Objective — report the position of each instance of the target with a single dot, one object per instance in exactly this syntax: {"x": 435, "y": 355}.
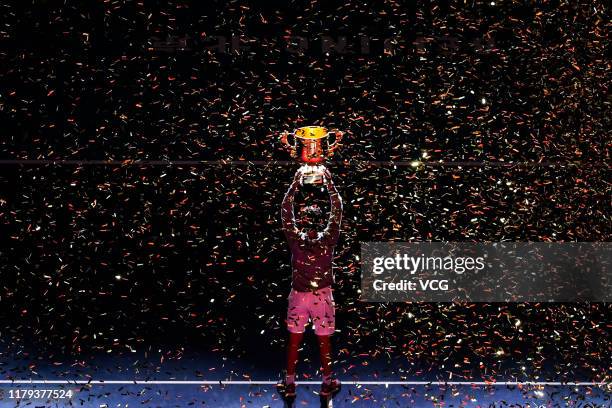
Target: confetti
{"x": 157, "y": 230}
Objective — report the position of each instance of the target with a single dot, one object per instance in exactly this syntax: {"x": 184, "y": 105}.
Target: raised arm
{"x": 287, "y": 216}
{"x": 332, "y": 231}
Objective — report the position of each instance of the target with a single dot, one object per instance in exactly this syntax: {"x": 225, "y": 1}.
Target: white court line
{"x": 348, "y": 382}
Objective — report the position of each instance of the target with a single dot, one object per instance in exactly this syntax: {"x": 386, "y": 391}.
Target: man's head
{"x": 310, "y": 220}
{"x": 311, "y": 217}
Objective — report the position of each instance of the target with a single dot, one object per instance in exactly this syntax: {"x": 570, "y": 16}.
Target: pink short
{"x": 317, "y": 306}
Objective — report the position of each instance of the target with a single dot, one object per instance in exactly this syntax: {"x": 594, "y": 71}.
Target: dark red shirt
{"x": 311, "y": 259}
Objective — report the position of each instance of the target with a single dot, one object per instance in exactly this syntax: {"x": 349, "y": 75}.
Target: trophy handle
{"x": 333, "y": 146}
{"x": 290, "y": 146}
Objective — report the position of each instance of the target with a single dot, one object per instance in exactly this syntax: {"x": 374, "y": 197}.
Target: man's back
{"x": 311, "y": 262}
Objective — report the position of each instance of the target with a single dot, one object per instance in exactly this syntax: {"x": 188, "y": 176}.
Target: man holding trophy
{"x": 312, "y": 239}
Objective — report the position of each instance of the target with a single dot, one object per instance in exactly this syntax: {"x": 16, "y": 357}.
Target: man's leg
{"x": 324, "y": 319}
{"x": 293, "y": 348}
{"x": 330, "y": 386}
{"x": 325, "y": 353}
{"x": 297, "y": 318}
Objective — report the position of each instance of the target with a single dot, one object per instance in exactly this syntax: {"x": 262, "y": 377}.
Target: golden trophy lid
{"x": 311, "y": 132}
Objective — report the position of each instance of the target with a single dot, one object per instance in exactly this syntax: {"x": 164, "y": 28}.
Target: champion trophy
{"x": 311, "y": 146}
